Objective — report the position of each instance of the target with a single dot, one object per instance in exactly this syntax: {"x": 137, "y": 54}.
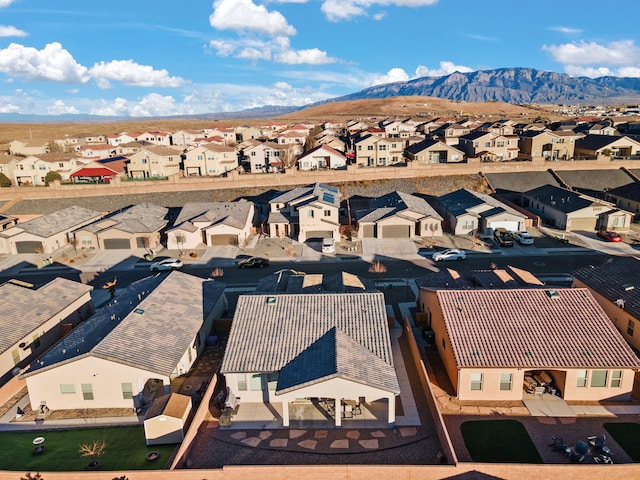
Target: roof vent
{"x": 553, "y": 294}
{"x": 139, "y": 311}
{"x": 628, "y": 286}
{"x": 271, "y": 300}
{"x": 620, "y": 302}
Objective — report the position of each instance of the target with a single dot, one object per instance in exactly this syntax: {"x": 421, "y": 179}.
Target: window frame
{"x": 508, "y": 383}
{"x": 87, "y": 391}
{"x": 475, "y": 381}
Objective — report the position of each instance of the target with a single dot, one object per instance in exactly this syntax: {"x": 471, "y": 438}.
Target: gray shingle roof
{"x": 520, "y": 181}
{"x": 140, "y": 328}
{"x": 233, "y": 214}
{"x": 318, "y": 192}
{"x": 561, "y": 199}
{"x": 23, "y": 310}
{"x": 269, "y": 331}
{"x": 394, "y": 203}
{"x": 532, "y": 328}
{"x": 461, "y": 200}
{"x": 594, "y": 181}
{"x": 59, "y": 221}
{"x": 616, "y": 280}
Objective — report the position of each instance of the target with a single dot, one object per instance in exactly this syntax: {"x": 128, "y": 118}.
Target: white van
{"x": 328, "y": 245}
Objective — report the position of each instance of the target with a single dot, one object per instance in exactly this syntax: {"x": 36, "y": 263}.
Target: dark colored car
{"x": 253, "y": 262}
{"x": 609, "y": 236}
{"x": 503, "y": 237}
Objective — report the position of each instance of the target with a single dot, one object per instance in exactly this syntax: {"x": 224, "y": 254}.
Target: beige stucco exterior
{"x": 168, "y": 427}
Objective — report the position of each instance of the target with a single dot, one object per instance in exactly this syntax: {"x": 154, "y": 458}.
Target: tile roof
{"x": 139, "y": 327}
{"x": 596, "y": 142}
{"x": 233, "y": 214}
{"x": 594, "y": 181}
{"x": 60, "y": 221}
{"x": 520, "y": 181}
{"x": 509, "y": 277}
{"x": 270, "y": 330}
{"x": 317, "y": 192}
{"x": 630, "y": 191}
{"x": 460, "y": 201}
{"x": 292, "y": 281}
{"x": 394, "y": 203}
{"x": 532, "y": 328}
{"x": 561, "y": 199}
{"x": 141, "y": 218}
{"x": 23, "y": 310}
{"x": 616, "y": 280}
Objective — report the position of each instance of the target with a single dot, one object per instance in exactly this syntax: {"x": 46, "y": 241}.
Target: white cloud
{"x": 246, "y": 16}
{"x": 11, "y": 31}
{"x": 5, "y": 3}
{"x": 567, "y": 30}
{"x": 336, "y": 10}
{"x": 152, "y": 105}
{"x": 394, "y": 75}
{"x": 59, "y": 108}
{"x": 595, "y": 72}
{"x": 623, "y": 52}
{"x": 446, "y": 68}
{"x": 132, "y": 73}
{"x": 53, "y": 63}
{"x": 379, "y": 16}
{"x": 6, "y": 107}
{"x": 275, "y": 49}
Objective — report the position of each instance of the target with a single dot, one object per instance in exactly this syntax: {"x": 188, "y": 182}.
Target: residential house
{"x": 7, "y": 164}
{"x": 568, "y": 210}
{"x": 292, "y": 137}
{"x": 121, "y": 138}
{"x": 137, "y": 226}
{"x": 214, "y": 223}
{"x": 373, "y": 151}
{"x": 33, "y": 169}
{"x": 328, "y": 348}
{"x": 212, "y": 160}
{"x": 33, "y": 319}
{"x": 489, "y": 146}
{"x": 626, "y": 197}
{"x": 333, "y": 142}
{"x": 615, "y": 147}
{"x": 431, "y": 151}
{"x": 99, "y": 150}
{"x": 252, "y": 133}
{"x": 167, "y": 419}
{"x": 154, "y": 162}
{"x": 127, "y": 353}
{"x": 322, "y": 157}
{"x": 265, "y": 157}
{"x": 616, "y": 287}
{"x": 449, "y": 132}
{"x": 468, "y": 212}
{"x": 227, "y": 133}
{"x": 7, "y": 221}
{"x": 305, "y": 213}
{"x": 547, "y": 144}
{"x": 489, "y": 340}
{"x": 163, "y": 139}
{"x": 398, "y": 215}
{"x": 185, "y": 138}
{"x": 32, "y": 146}
{"x": 47, "y": 233}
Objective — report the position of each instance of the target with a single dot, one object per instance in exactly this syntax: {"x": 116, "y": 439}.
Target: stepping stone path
{"x": 239, "y": 435}
{"x": 353, "y": 434}
{"x": 344, "y": 443}
{"x": 296, "y": 433}
{"x": 321, "y": 434}
{"x": 369, "y": 444}
{"x": 264, "y": 435}
{"x": 378, "y": 434}
{"x": 308, "y": 444}
{"x": 408, "y": 431}
{"x": 252, "y": 441}
{"x": 279, "y": 443}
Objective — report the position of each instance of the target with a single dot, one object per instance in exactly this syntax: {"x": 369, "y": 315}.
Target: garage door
{"x": 396, "y": 231}
{"x": 588, "y": 224}
{"x": 116, "y": 243}
{"x": 319, "y": 235}
{"x": 227, "y": 239}
{"x": 368, "y": 231}
{"x": 511, "y": 226}
{"x": 29, "y": 247}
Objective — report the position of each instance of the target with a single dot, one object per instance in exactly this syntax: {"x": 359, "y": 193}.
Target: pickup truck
{"x": 503, "y": 237}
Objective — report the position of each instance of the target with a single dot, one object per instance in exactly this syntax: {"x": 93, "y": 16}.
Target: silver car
{"x": 449, "y": 254}
{"x": 523, "y": 238}
{"x": 166, "y": 264}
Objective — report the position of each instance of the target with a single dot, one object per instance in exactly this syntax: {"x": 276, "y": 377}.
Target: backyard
{"x": 125, "y": 450}
{"x": 499, "y": 441}
{"x": 627, "y": 435}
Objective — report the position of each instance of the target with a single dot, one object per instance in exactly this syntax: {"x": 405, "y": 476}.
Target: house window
{"x": 272, "y": 381}
{"x": 327, "y": 213}
{"x": 476, "y": 381}
{"x": 382, "y": 147}
{"x": 310, "y": 213}
{"x": 87, "y": 391}
{"x": 60, "y": 164}
{"x": 630, "y": 326}
{"x": 599, "y": 378}
{"x": 581, "y": 379}
{"x": 15, "y": 353}
{"x": 506, "y": 379}
{"x": 127, "y": 390}
{"x": 241, "y": 378}
{"x": 67, "y": 388}
{"x": 143, "y": 161}
{"x": 616, "y": 378}
{"x": 369, "y": 147}
{"x": 255, "y": 383}
{"x": 618, "y": 222}
{"x": 36, "y": 341}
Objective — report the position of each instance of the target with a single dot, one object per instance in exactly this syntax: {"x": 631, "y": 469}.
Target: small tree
{"x": 31, "y": 476}
{"x": 4, "y": 180}
{"x": 51, "y": 176}
{"x": 94, "y": 450}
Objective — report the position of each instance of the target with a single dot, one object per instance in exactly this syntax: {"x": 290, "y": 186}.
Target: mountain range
{"x": 511, "y": 85}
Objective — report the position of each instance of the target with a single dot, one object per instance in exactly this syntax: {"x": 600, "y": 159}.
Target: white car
{"x": 523, "y": 238}
{"x": 450, "y": 254}
{"x": 328, "y": 245}
{"x": 166, "y": 264}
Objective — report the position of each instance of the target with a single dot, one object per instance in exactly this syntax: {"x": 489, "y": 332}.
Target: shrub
{"x": 51, "y": 176}
{"x": 4, "y": 180}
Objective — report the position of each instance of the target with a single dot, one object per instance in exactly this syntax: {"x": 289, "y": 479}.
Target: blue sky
{"x": 158, "y": 57}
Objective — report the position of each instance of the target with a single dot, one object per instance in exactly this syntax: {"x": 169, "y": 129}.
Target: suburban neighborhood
{"x": 375, "y": 292}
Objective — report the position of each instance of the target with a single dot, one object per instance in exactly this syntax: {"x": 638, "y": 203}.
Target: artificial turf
{"x": 499, "y": 441}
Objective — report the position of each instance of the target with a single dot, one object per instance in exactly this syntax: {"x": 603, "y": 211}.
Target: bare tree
{"x": 94, "y": 450}
{"x": 289, "y": 158}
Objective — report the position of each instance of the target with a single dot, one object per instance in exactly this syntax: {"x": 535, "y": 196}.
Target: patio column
{"x": 285, "y": 414}
{"x": 392, "y": 410}
{"x": 337, "y": 411}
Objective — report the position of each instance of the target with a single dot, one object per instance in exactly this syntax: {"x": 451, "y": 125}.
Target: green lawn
{"x": 499, "y": 441}
{"x": 627, "y": 435}
{"x": 126, "y": 450}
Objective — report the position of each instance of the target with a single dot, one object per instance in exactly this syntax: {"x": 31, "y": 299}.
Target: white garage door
{"x": 511, "y": 226}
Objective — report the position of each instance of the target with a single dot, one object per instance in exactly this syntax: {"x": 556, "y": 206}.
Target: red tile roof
{"x": 532, "y": 328}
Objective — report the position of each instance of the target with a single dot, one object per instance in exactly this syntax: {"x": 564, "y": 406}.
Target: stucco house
{"x": 616, "y": 287}
{"x": 489, "y": 340}
{"x": 333, "y": 349}
{"x": 264, "y": 157}
{"x": 549, "y": 145}
{"x": 468, "y": 212}
{"x": 430, "y": 151}
{"x": 398, "y": 215}
{"x": 489, "y": 146}
{"x": 31, "y": 146}
{"x": 33, "y": 169}
{"x": 373, "y": 151}
{"x": 33, "y": 319}
{"x": 613, "y": 146}
{"x": 626, "y": 197}
{"x": 306, "y": 213}
{"x": 212, "y": 223}
{"x": 47, "y": 233}
{"x": 322, "y": 157}
{"x": 137, "y": 226}
{"x": 568, "y": 210}
{"x": 129, "y": 351}
{"x": 154, "y": 161}
{"x": 210, "y": 159}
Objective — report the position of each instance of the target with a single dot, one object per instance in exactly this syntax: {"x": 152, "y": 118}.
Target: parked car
{"x": 523, "y": 238}
{"x": 254, "y": 262}
{"x": 609, "y": 236}
{"x": 166, "y": 264}
{"x": 503, "y": 237}
{"x": 449, "y": 254}
{"x": 328, "y": 245}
